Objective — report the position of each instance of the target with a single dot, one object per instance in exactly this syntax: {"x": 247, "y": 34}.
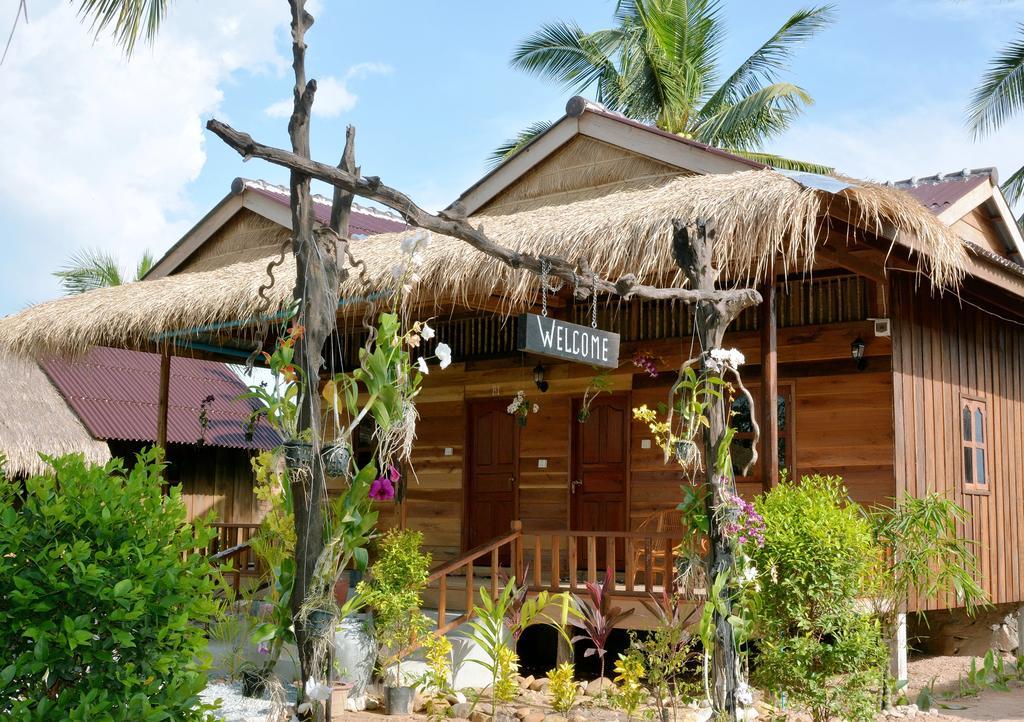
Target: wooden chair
{"x": 659, "y": 522}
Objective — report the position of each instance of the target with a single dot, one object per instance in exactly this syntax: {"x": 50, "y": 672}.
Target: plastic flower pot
{"x": 398, "y": 700}
{"x": 298, "y": 454}
{"x": 341, "y": 588}
{"x": 339, "y": 696}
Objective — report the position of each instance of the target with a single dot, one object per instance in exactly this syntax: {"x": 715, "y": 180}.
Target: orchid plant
{"x": 520, "y": 407}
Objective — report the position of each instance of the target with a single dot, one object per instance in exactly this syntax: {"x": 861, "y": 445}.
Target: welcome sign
{"x": 569, "y": 341}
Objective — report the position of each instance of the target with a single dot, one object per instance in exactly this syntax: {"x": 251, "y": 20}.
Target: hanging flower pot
{"x": 298, "y": 454}
{"x": 686, "y": 452}
{"x": 336, "y": 457}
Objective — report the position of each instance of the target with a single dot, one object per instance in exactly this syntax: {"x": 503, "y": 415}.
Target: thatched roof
{"x": 35, "y": 419}
{"x": 759, "y": 215}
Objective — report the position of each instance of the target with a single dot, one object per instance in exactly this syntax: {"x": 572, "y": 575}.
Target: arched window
{"x": 975, "y": 474}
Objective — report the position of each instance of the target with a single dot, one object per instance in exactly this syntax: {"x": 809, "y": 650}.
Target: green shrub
{"x": 814, "y": 643}
{"x": 100, "y": 596}
{"x": 394, "y": 592}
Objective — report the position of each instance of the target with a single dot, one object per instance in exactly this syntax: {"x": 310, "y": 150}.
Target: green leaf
{"x": 122, "y": 587}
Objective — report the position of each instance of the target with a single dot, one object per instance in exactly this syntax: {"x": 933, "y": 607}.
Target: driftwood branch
{"x": 456, "y": 225}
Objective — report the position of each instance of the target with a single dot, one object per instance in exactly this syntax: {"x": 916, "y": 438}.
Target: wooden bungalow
{"x": 105, "y": 405}
{"x": 888, "y": 349}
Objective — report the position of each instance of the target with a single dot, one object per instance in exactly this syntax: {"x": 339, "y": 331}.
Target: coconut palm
{"x": 89, "y": 269}
{"x": 998, "y": 98}
{"x": 128, "y": 20}
{"x": 660, "y": 64}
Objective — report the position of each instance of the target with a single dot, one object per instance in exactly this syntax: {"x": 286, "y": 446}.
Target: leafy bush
{"x": 101, "y": 595}
{"x": 562, "y": 687}
{"x": 394, "y": 592}
{"x": 816, "y": 561}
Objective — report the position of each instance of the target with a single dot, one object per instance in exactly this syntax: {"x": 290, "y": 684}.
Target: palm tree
{"x": 89, "y": 269}
{"x": 128, "y": 20}
{"x": 660, "y": 64}
{"x": 999, "y": 97}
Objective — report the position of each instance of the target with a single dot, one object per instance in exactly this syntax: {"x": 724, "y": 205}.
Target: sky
{"x": 100, "y": 151}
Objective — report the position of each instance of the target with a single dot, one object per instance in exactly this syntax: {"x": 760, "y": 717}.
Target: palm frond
{"x": 778, "y": 161}
{"x": 1013, "y": 187}
{"x": 512, "y": 146}
{"x": 87, "y": 270}
{"x": 562, "y": 52}
{"x": 128, "y": 20}
{"x": 1001, "y": 93}
{"x": 756, "y": 117}
{"x": 771, "y": 59}
{"x": 144, "y": 266}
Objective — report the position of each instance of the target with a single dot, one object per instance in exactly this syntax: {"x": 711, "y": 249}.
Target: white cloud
{"x": 98, "y": 151}
{"x": 333, "y": 96}
{"x": 927, "y": 140}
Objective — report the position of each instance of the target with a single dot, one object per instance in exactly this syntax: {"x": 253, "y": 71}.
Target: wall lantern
{"x": 857, "y": 352}
{"x": 538, "y": 378}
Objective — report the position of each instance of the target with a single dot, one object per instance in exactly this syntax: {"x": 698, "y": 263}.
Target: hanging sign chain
{"x": 593, "y": 300}
{"x": 545, "y": 287}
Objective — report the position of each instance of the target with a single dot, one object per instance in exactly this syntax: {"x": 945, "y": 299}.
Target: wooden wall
{"x": 941, "y": 350}
{"x": 843, "y": 423}
{"x": 212, "y": 479}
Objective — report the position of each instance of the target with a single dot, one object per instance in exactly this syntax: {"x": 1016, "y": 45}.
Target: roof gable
{"x": 270, "y": 202}
{"x": 584, "y": 118}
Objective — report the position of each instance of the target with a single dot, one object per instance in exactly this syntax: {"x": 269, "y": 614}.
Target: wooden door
{"x": 492, "y": 470}
{"x": 600, "y": 471}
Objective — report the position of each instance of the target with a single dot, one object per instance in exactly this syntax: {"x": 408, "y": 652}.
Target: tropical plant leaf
{"x": 128, "y": 20}
{"x": 1001, "y": 93}
{"x": 512, "y": 146}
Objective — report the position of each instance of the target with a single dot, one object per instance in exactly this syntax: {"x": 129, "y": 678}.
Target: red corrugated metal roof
{"x": 362, "y": 222}
{"x": 116, "y": 395}
{"x": 939, "y": 192}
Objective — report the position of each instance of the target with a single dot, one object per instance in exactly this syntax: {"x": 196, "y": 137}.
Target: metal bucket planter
{"x": 336, "y": 457}
{"x": 398, "y": 700}
{"x": 298, "y": 454}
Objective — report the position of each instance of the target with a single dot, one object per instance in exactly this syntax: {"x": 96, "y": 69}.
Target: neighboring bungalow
{"x": 888, "y": 350}
{"x": 105, "y": 405}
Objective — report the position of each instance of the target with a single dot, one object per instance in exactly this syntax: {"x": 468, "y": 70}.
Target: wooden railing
{"x": 466, "y": 566}
{"x": 644, "y": 565}
{"x": 232, "y": 545}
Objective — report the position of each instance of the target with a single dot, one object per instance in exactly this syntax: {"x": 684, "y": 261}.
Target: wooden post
{"x": 164, "y": 400}
{"x": 769, "y": 451}
{"x": 693, "y": 253}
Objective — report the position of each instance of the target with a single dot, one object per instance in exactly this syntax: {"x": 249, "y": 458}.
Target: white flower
{"x": 744, "y": 695}
{"x": 410, "y": 242}
{"x": 317, "y": 691}
{"x": 417, "y": 259}
{"x": 421, "y": 364}
{"x": 427, "y": 333}
{"x": 721, "y": 358}
{"x": 397, "y": 271}
{"x": 749, "y": 574}
{"x": 443, "y": 352}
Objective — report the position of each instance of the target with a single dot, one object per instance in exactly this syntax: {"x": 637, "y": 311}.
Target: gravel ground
{"x": 236, "y": 708}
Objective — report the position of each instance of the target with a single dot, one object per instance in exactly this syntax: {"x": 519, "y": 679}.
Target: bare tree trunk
{"x": 693, "y": 254}
{"x": 316, "y": 291}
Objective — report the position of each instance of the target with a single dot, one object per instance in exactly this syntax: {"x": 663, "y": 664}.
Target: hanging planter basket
{"x": 336, "y": 457}
{"x": 686, "y": 452}
{"x": 298, "y": 454}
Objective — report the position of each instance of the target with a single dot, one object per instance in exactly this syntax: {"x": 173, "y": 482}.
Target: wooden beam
{"x": 163, "y": 402}
{"x": 769, "y": 451}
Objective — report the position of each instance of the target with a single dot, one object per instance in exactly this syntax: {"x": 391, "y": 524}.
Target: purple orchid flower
{"x": 382, "y": 489}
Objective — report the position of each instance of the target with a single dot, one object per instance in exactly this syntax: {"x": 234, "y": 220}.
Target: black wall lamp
{"x": 538, "y": 378}
{"x": 857, "y": 352}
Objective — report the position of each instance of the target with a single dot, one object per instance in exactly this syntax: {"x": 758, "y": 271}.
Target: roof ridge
{"x": 239, "y": 184}
{"x": 961, "y": 175}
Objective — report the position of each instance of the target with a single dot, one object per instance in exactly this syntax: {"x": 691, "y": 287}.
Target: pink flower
{"x": 382, "y": 489}
{"x": 393, "y": 475}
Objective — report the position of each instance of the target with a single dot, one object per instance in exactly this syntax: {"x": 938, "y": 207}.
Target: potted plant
{"x": 393, "y": 591}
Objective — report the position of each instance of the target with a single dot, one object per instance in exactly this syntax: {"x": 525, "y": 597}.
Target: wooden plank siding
{"x": 943, "y": 351}
{"x": 843, "y": 424}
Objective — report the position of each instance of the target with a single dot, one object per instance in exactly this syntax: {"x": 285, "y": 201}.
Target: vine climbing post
{"x": 692, "y": 250}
